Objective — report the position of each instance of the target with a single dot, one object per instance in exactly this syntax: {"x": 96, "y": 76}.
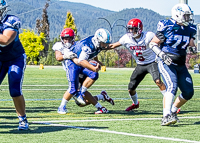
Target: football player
{"x": 12, "y": 61}
{"x": 137, "y": 42}
{"x": 170, "y": 43}
{"x": 77, "y": 67}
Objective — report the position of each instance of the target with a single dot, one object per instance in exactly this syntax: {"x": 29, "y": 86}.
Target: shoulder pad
{"x": 13, "y": 21}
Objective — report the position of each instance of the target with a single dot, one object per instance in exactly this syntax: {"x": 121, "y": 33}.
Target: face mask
{"x": 67, "y": 45}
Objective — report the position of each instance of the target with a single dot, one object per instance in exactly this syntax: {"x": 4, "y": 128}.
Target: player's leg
{"x": 15, "y": 78}
{"x": 72, "y": 73}
{"x": 169, "y": 76}
{"x": 186, "y": 86}
{"x": 89, "y": 99}
{"x": 137, "y": 76}
{"x": 153, "y": 70}
{"x": 91, "y": 77}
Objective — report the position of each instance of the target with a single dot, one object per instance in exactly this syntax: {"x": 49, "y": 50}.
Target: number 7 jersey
{"x": 139, "y": 48}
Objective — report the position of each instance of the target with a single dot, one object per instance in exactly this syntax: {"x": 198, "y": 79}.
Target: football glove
{"x": 167, "y": 60}
{"x": 193, "y": 50}
{"x": 69, "y": 55}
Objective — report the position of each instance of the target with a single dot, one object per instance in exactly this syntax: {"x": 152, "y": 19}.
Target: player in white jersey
{"x": 137, "y": 42}
{"x": 63, "y": 53}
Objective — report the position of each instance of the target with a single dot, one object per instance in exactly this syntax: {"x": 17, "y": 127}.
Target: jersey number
{"x": 179, "y": 39}
{"x": 141, "y": 58}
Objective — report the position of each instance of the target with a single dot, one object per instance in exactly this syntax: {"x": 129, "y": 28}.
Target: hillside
{"x": 86, "y": 16}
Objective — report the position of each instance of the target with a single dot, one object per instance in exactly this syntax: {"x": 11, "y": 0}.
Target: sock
{"x": 174, "y": 108}
{"x": 64, "y": 102}
{"x": 83, "y": 89}
{"x": 168, "y": 103}
{"x": 98, "y": 105}
{"x": 100, "y": 97}
{"x": 163, "y": 92}
{"x": 21, "y": 118}
{"x": 134, "y": 98}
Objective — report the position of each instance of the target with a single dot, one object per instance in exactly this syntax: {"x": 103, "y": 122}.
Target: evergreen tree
{"x": 42, "y": 26}
{"x": 70, "y": 23}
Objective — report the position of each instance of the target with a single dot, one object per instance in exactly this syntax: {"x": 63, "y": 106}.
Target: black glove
{"x": 167, "y": 60}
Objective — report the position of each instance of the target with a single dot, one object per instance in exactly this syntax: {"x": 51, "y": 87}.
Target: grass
{"x": 43, "y": 90}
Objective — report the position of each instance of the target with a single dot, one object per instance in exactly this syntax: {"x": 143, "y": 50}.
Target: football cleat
{"x": 174, "y": 117}
{"x": 169, "y": 119}
{"x": 107, "y": 98}
{"x": 101, "y": 110}
{"x": 62, "y": 110}
{"x": 23, "y": 125}
{"x": 133, "y": 106}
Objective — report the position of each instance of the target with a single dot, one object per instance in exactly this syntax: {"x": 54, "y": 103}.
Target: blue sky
{"x": 162, "y": 7}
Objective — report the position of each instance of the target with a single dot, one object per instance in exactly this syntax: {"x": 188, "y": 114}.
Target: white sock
{"x": 64, "y": 102}
{"x": 134, "y": 98}
{"x": 98, "y": 105}
{"x": 163, "y": 92}
{"x": 168, "y": 103}
{"x": 100, "y": 97}
{"x": 174, "y": 108}
{"x": 83, "y": 89}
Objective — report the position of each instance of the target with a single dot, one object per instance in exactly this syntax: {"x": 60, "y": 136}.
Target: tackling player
{"x": 12, "y": 61}
{"x": 173, "y": 36}
{"x": 137, "y": 42}
{"x": 76, "y": 73}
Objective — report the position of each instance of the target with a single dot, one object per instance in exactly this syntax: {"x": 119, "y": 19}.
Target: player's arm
{"x": 114, "y": 45}
{"x": 154, "y": 45}
{"x": 7, "y": 37}
{"x": 60, "y": 57}
{"x": 83, "y": 60}
{"x": 86, "y": 64}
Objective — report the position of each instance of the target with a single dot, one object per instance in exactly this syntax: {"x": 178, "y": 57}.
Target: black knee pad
{"x": 188, "y": 95}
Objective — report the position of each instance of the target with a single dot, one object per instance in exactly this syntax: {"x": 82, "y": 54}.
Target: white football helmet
{"x": 101, "y": 35}
{"x": 182, "y": 13}
{"x": 3, "y": 9}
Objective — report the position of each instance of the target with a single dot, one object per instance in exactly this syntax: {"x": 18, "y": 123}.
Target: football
{"x": 94, "y": 63}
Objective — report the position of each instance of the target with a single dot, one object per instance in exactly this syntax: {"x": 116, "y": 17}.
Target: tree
{"x": 42, "y": 26}
{"x": 32, "y": 44}
{"x": 70, "y": 23}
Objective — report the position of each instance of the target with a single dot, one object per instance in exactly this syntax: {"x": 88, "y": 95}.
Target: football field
{"x": 43, "y": 91}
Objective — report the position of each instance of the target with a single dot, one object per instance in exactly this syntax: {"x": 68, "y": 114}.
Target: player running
{"x": 173, "y": 36}
{"x": 75, "y": 71}
{"x": 137, "y": 42}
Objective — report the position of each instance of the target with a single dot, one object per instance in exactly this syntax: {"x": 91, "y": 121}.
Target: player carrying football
{"x": 79, "y": 70}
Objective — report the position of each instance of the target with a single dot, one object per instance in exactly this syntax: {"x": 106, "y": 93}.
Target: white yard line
{"x": 121, "y": 133}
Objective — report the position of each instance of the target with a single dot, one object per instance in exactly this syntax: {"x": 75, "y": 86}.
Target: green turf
{"x": 43, "y": 99}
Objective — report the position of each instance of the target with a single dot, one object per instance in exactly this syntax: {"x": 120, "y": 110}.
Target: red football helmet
{"x": 67, "y": 32}
{"x": 134, "y": 26}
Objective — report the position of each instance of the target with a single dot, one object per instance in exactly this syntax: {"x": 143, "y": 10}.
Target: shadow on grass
{"x": 28, "y": 109}
{"x": 36, "y": 128}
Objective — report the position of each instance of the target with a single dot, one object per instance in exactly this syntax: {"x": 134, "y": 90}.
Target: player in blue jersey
{"x": 173, "y": 37}
{"x": 76, "y": 73}
{"x": 12, "y": 61}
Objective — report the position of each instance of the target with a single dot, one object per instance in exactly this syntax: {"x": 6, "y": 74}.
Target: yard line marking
{"x": 122, "y": 133}
{"x": 136, "y": 119}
